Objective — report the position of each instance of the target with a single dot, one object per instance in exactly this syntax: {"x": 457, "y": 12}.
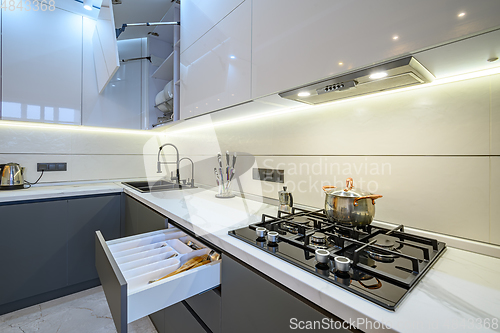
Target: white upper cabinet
{"x": 199, "y": 16}
{"x": 215, "y": 70}
{"x": 295, "y": 43}
{"x": 41, "y": 66}
{"x": 105, "y": 48}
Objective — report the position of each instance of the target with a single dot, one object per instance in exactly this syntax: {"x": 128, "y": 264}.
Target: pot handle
{"x": 328, "y": 187}
{"x": 349, "y": 184}
{"x": 372, "y": 196}
{"x": 373, "y": 286}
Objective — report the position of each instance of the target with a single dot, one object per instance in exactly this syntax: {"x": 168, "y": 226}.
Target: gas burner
{"x": 293, "y": 224}
{"x": 380, "y": 254}
{"x": 290, "y": 227}
{"x": 300, "y": 220}
{"x": 385, "y": 243}
{"x": 318, "y": 238}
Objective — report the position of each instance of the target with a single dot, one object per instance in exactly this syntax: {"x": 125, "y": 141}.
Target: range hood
{"x": 391, "y": 75}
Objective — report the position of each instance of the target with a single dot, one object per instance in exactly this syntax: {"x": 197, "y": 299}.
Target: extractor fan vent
{"x": 395, "y": 74}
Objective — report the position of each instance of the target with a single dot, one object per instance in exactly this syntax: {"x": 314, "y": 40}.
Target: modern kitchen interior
{"x": 249, "y": 166}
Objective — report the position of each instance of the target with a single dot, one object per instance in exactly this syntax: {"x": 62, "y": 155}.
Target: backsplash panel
{"x": 91, "y": 155}
{"x": 422, "y": 149}
{"x": 495, "y": 200}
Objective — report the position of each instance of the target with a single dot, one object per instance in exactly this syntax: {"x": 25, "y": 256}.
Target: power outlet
{"x": 52, "y": 166}
{"x": 269, "y": 175}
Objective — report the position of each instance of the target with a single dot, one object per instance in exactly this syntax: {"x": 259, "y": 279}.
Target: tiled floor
{"x": 83, "y": 312}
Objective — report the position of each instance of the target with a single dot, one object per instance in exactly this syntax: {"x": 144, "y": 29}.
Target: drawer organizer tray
{"x": 126, "y": 265}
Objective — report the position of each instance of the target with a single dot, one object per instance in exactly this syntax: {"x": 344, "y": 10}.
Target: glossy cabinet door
{"x": 105, "y": 48}
{"x": 33, "y": 249}
{"x": 41, "y": 66}
{"x": 215, "y": 70}
{"x": 140, "y": 219}
{"x": 251, "y": 303}
{"x": 295, "y": 44}
{"x": 199, "y": 16}
{"x": 88, "y": 215}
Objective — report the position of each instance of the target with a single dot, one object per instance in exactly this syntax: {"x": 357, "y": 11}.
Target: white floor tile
{"x": 83, "y": 312}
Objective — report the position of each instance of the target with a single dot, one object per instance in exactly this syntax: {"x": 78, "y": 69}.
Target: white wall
{"x": 91, "y": 155}
{"x": 433, "y": 153}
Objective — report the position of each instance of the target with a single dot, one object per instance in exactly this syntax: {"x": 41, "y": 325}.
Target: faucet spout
{"x": 192, "y": 169}
{"x": 176, "y": 162}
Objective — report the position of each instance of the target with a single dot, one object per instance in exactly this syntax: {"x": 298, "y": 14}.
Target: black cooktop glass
{"x": 385, "y": 263}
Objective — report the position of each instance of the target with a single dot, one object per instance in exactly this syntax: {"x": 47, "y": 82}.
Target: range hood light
{"x": 394, "y": 74}
{"x": 378, "y": 75}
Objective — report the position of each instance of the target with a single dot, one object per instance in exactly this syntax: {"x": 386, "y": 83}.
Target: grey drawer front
{"x": 208, "y": 307}
{"x": 113, "y": 283}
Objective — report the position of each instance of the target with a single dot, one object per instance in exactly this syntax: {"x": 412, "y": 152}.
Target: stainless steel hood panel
{"x": 400, "y": 73}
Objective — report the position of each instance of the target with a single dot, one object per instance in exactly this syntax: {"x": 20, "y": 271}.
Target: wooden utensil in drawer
{"x": 190, "y": 263}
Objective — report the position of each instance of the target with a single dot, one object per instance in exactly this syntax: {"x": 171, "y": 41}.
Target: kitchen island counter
{"x": 459, "y": 292}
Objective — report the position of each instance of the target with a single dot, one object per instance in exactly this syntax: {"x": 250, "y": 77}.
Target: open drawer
{"x": 127, "y": 265}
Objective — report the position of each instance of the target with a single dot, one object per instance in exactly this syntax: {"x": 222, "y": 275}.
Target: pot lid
{"x": 349, "y": 191}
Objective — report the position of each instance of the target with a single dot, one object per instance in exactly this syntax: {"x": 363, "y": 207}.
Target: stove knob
{"x": 322, "y": 256}
{"x": 272, "y": 237}
{"x": 342, "y": 264}
{"x": 261, "y": 232}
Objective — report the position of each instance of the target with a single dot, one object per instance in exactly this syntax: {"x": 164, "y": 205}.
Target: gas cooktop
{"x": 381, "y": 265}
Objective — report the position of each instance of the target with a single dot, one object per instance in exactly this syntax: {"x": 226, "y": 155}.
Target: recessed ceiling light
{"x": 395, "y": 37}
{"x": 232, "y": 57}
{"x": 378, "y": 75}
{"x": 87, "y": 4}
{"x": 304, "y": 94}
{"x": 341, "y": 63}
{"x": 461, "y": 14}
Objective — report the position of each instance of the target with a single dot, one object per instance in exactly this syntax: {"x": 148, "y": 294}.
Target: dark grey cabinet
{"x": 179, "y": 319}
{"x": 87, "y": 216}
{"x": 208, "y": 307}
{"x": 47, "y": 247}
{"x": 33, "y": 249}
{"x": 251, "y": 303}
{"x": 140, "y": 218}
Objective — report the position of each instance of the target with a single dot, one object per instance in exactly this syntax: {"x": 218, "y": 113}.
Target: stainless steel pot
{"x": 11, "y": 176}
{"x": 348, "y": 206}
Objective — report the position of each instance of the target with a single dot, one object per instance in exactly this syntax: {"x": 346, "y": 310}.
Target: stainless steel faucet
{"x": 192, "y": 170}
{"x": 177, "y": 178}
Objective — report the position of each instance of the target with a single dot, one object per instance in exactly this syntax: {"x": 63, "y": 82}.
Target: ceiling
{"x": 139, "y": 11}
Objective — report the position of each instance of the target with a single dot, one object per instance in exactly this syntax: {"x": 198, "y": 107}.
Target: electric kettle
{"x": 11, "y": 176}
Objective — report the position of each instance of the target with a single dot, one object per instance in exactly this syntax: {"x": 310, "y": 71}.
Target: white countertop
{"x": 38, "y": 192}
{"x": 460, "y": 289}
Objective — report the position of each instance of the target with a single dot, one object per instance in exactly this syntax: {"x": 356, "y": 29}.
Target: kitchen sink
{"x": 155, "y": 186}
